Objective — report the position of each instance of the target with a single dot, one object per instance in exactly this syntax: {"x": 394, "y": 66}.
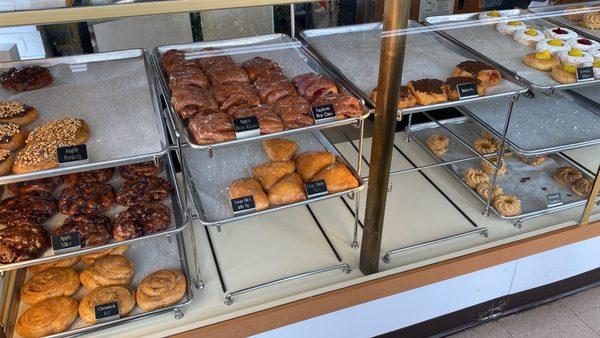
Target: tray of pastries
{"x": 541, "y": 53}
{"x": 229, "y": 92}
{"x": 526, "y": 186}
{"x": 104, "y": 106}
{"x": 82, "y": 294}
{"x": 275, "y": 174}
{"x": 433, "y": 67}
{"x": 581, "y": 17}
{"x": 102, "y": 209}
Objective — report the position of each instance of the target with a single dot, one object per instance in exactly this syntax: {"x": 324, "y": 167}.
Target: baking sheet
{"x": 354, "y": 51}
{"x": 499, "y": 49}
{"x": 591, "y": 93}
{"x": 278, "y": 47}
{"x": 550, "y": 14}
{"x": 147, "y": 257}
{"x": 541, "y": 124}
{"x": 173, "y": 202}
{"x": 209, "y": 178}
{"x": 113, "y": 92}
{"x": 529, "y": 183}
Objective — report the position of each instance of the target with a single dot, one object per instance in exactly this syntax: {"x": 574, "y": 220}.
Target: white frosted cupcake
{"x": 595, "y": 53}
{"x": 554, "y": 46}
{"x": 559, "y": 33}
{"x": 510, "y": 27}
{"x": 528, "y": 37}
{"x": 576, "y": 58}
{"x": 491, "y": 15}
{"x": 583, "y": 44}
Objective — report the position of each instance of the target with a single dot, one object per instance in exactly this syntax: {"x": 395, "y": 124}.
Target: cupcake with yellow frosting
{"x": 510, "y": 27}
{"x": 554, "y": 46}
{"x": 543, "y": 60}
{"x": 528, "y": 37}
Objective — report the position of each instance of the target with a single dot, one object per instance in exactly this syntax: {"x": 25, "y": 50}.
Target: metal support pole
{"x": 393, "y": 41}
{"x": 292, "y": 21}
{"x": 354, "y": 244}
{"x": 585, "y": 219}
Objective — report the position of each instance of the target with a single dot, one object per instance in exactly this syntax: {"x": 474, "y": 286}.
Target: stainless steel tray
{"x": 147, "y": 257}
{"x": 174, "y": 202}
{"x": 114, "y": 93}
{"x": 500, "y": 50}
{"x": 353, "y": 53}
{"x": 589, "y": 93}
{"x": 556, "y": 14}
{"x": 543, "y": 124}
{"x": 288, "y": 53}
{"x": 209, "y": 178}
{"x": 535, "y": 178}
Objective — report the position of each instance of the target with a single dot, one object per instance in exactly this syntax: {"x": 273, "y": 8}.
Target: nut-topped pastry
{"x": 38, "y": 156}
{"x": 488, "y": 75}
{"x": 12, "y": 111}
{"x": 406, "y": 99}
{"x": 26, "y": 78}
{"x": 72, "y": 130}
{"x": 12, "y": 136}
{"x": 7, "y": 158}
{"x": 428, "y": 91}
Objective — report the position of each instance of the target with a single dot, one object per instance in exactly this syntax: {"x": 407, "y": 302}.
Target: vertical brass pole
{"x": 395, "y": 20}
{"x": 591, "y": 201}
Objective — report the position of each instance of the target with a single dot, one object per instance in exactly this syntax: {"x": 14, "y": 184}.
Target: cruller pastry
{"x": 72, "y": 130}
{"x": 406, "y": 99}
{"x": 488, "y": 75}
{"x": 428, "y": 91}
{"x": 249, "y": 187}
{"x": 161, "y": 289}
{"x": 311, "y": 163}
{"x": 489, "y": 169}
{"x": 543, "y": 60}
{"x": 7, "y": 158}
{"x": 474, "y": 177}
{"x": 532, "y": 160}
{"x": 582, "y": 187}
{"x": 484, "y": 190}
{"x": 591, "y": 20}
{"x": 438, "y": 144}
{"x": 452, "y": 83}
{"x": 485, "y": 146}
{"x": 11, "y": 111}
{"x": 507, "y": 205}
{"x": 280, "y": 149}
{"x": 567, "y": 175}
{"x": 122, "y": 294}
{"x": 50, "y": 316}
{"x": 337, "y": 177}
{"x": 110, "y": 270}
{"x": 53, "y": 282}
{"x": 270, "y": 173}
{"x": 290, "y": 189}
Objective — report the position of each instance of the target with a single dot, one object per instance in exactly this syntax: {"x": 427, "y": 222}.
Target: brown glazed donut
{"x": 88, "y": 197}
{"x": 44, "y": 185}
{"x": 22, "y": 241}
{"x": 141, "y": 220}
{"x": 92, "y": 176}
{"x": 94, "y": 229}
{"x": 143, "y": 190}
{"x": 35, "y": 207}
{"x": 146, "y": 169}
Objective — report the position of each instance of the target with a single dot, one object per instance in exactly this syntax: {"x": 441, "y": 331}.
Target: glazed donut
{"x": 528, "y": 37}
{"x": 532, "y": 160}
{"x": 15, "y": 112}
{"x": 71, "y": 130}
{"x": 559, "y": 33}
{"x": 564, "y": 73}
{"x": 510, "y": 27}
{"x": 489, "y": 169}
{"x": 94, "y": 229}
{"x": 146, "y": 169}
{"x": 484, "y": 190}
{"x": 35, "y": 207}
{"x": 160, "y": 289}
{"x": 122, "y": 294}
{"x": 582, "y": 187}
{"x": 141, "y": 219}
{"x": 42, "y": 185}
{"x": 53, "y": 282}
{"x": 26, "y": 78}
{"x": 567, "y": 175}
{"x": 61, "y": 263}
{"x": 143, "y": 190}
{"x": 88, "y": 197}
{"x": 7, "y": 158}
{"x": 12, "y": 136}
{"x": 491, "y": 15}
{"x": 50, "y": 316}
{"x": 438, "y": 144}
{"x": 575, "y": 57}
{"x": 583, "y": 44}
{"x": 591, "y": 20}
{"x": 543, "y": 61}
{"x": 474, "y": 177}
{"x": 507, "y": 205}
{"x": 485, "y": 146}
{"x": 110, "y": 270}
{"x": 552, "y": 45}
{"x": 92, "y": 176}
{"x": 22, "y": 241}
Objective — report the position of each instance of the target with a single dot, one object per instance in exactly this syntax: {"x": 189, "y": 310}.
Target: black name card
{"x": 323, "y": 114}
{"x": 106, "y": 312}
{"x": 243, "y": 204}
{"x": 246, "y": 127}
{"x": 70, "y": 241}
{"x": 553, "y": 200}
{"x": 584, "y": 74}
{"x": 315, "y": 188}
{"x": 467, "y": 90}
{"x": 72, "y": 154}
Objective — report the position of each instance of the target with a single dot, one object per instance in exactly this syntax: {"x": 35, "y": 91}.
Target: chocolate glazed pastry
{"x": 88, "y": 197}
{"x": 93, "y": 176}
{"x": 94, "y": 229}
{"x": 141, "y": 220}
{"x": 42, "y": 185}
{"x": 34, "y": 207}
{"x": 26, "y": 78}
{"x": 143, "y": 190}
{"x": 146, "y": 169}
{"x": 22, "y": 241}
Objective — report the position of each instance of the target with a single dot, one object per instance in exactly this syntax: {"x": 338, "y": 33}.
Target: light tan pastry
{"x": 309, "y": 164}
{"x": 485, "y": 146}
{"x": 92, "y": 257}
{"x": 7, "y": 159}
{"x": 574, "y": 16}
{"x": 406, "y": 99}
{"x": 50, "y": 316}
{"x": 507, "y": 205}
{"x": 160, "y": 289}
{"x": 484, "y": 190}
{"x": 567, "y": 175}
{"x": 337, "y": 177}
{"x": 53, "y": 282}
{"x": 543, "y": 61}
{"x": 61, "y": 263}
{"x": 11, "y": 111}
{"x": 591, "y": 20}
{"x": 249, "y": 187}
{"x": 280, "y": 149}
{"x": 12, "y": 136}
{"x": 120, "y": 293}
{"x": 110, "y": 270}
{"x": 438, "y": 144}
{"x": 452, "y": 83}
{"x": 564, "y": 73}
{"x": 428, "y": 91}
{"x": 270, "y": 173}
{"x": 489, "y": 169}
{"x": 474, "y": 177}
{"x": 532, "y": 160}
{"x": 290, "y": 189}
{"x": 582, "y": 187}
{"x": 72, "y": 130}
{"x": 37, "y": 156}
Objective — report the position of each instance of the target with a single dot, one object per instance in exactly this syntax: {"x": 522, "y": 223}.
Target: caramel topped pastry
{"x": 488, "y": 75}
{"x": 26, "y": 78}
{"x": 38, "y": 156}
{"x": 72, "y": 130}
{"x": 428, "y": 91}
{"x": 12, "y": 111}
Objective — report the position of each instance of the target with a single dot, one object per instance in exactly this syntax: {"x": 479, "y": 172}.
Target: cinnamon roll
{"x": 110, "y": 270}
{"x": 53, "y": 282}
{"x": 160, "y": 289}
{"x": 122, "y": 294}
{"x": 50, "y": 316}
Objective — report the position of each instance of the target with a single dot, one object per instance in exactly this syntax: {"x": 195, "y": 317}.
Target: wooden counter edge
{"x": 357, "y": 294}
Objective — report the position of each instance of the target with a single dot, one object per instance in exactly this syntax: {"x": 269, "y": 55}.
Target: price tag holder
{"x": 107, "y": 312}
{"x": 467, "y": 90}
{"x": 584, "y": 74}
{"x": 71, "y": 155}
{"x": 554, "y": 200}
{"x": 71, "y": 241}
{"x": 315, "y": 188}
{"x": 243, "y": 205}
{"x": 246, "y": 127}
{"x": 323, "y": 114}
